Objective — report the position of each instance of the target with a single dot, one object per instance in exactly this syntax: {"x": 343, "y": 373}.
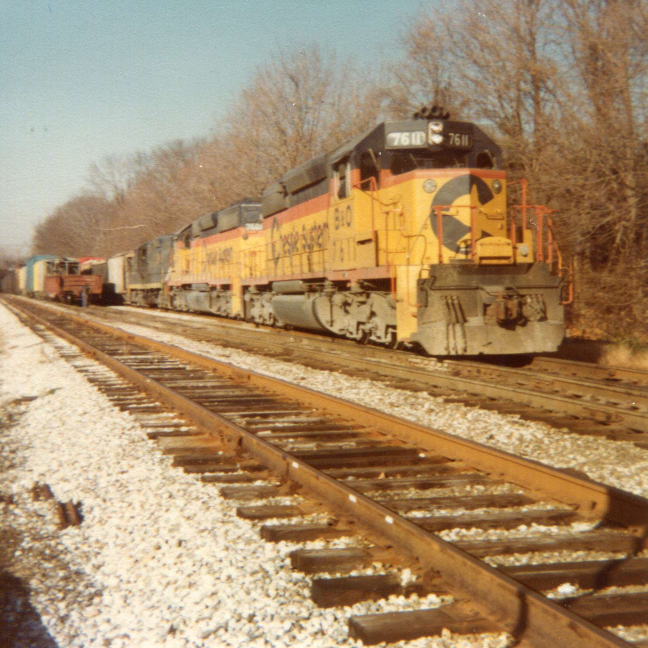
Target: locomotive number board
{"x": 404, "y": 139}
{"x": 416, "y": 139}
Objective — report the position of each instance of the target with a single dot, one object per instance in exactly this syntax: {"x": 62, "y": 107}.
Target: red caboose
{"x": 64, "y": 283}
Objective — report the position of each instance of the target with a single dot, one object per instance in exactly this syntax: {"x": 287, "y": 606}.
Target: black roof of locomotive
{"x": 315, "y": 172}
{"x": 229, "y": 217}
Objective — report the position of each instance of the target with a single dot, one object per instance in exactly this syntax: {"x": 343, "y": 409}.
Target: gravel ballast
{"x": 160, "y": 559}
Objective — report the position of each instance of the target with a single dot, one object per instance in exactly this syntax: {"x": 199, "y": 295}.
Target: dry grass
{"x": 621, "y": 355}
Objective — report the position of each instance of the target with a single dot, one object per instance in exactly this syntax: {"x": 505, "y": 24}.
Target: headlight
{"x": 436, "y": 127}
{"x": 436, "y": 138}
{"x": 497, "y": 186}
{"x": 429, "y": 186}
{"x": 523, "y": 249}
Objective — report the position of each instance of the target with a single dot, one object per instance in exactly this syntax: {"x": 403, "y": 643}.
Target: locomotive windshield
{"x": 436, "y": 144}
{"x": 404, "y": 161}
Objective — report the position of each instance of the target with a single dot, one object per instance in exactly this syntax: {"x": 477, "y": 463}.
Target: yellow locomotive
{"x": 401, "y": 236}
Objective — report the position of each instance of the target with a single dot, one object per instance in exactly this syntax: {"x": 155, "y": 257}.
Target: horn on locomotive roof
{"x": 431, "y": 112}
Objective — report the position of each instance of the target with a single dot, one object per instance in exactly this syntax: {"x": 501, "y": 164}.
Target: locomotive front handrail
{"x": 523, "y": 182}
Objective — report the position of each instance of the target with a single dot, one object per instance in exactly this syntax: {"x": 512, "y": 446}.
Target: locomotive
{"x": 400, "y": 237}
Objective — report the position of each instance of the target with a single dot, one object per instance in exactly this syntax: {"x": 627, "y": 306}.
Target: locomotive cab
{"x": 472, "y": 275}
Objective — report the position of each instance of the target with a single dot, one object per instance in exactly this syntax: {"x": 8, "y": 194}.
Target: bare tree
{"x": 600, "y": 180}
{"x": 159, "y": 199}
{"x": 297, "y": 105}
{"x": 426, "y": 72}
{"x": 606, "y": 105}
{"x": 76, "y": 228}
{"x": 115, "y": 175}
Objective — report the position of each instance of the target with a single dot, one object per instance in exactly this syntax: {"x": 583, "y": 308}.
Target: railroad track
{"x": 586, "y": 398}
{"x": 400, "y": 488}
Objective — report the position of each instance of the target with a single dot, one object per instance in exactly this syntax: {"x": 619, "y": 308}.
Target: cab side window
{"x": 484, "y": 160}
{"x": 342, "y": 179}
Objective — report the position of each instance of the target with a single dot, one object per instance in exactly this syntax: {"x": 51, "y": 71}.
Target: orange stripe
{"x": 390, "y": 180}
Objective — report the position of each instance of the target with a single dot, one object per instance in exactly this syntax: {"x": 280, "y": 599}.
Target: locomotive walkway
{"x": 396, "y": 486}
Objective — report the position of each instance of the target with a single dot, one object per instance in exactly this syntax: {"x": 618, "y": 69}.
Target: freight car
{"x": 116, "y": 278}
{"x": 402, "y": 236}
{"x": 99, "y": 267}
{"x": 9, "y": 281}
{"x": 35, "y": 270}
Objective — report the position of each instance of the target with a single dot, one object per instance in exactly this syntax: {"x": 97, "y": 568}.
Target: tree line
{"x": 562, "y": 85}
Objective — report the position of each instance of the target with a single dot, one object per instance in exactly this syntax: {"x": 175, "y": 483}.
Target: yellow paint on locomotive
{"x": 396, "y": 227}
{"x": 253, "y": 257}
{"x": 212, "y": 260}
{"x": 297, "y": 242}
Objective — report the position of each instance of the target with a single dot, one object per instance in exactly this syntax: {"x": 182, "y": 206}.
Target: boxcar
{"x": 9, "y": 281}
{"x": 35, "y": 271}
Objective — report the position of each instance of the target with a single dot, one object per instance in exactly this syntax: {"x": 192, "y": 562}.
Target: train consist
{"x": 402, "y": 236}
{"x": 57, "y": 278}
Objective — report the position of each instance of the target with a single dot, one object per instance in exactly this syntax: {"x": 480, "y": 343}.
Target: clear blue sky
{"x": 83, "y": 79}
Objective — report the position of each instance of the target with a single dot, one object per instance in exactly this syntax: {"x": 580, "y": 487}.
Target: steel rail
{"x": 541, "y": 399}
{"x": 485, "y": 386}
{"x": 518, "y": 610}
{"x": 575, "y": 386}
{"x": 590, "y": 370}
